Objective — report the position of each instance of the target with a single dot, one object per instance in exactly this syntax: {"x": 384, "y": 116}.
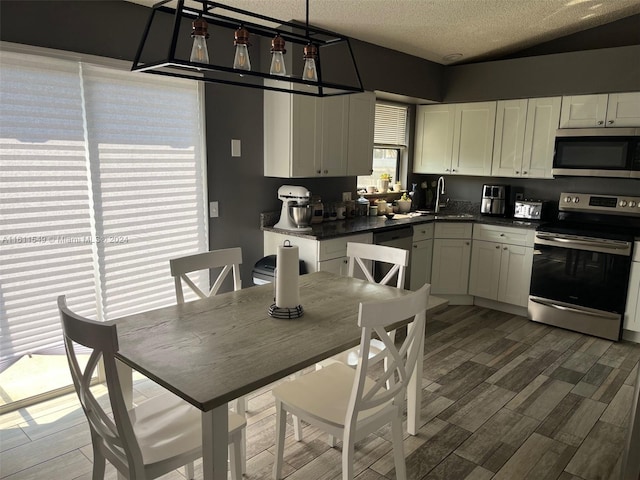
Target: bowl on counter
{"x": 389, "y": 215}
{"x": 301, "y": 214}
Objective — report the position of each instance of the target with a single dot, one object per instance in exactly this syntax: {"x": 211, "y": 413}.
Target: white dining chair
{"x": 363, "y": 256}
{"x": 149, "y": 440}
{"x": 222, "y": 262}
{"x": 227, "y": 260}
{"x": 352, "y": 403}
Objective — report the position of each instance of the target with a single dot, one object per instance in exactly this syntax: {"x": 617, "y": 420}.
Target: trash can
{"x": 264, "y": 270}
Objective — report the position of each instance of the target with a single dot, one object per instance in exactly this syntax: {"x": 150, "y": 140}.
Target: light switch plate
{"x": 235, "y": 147}
{"x": 213, "y": 210}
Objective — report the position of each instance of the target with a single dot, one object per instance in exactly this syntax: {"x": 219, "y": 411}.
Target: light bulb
{"x": 309, "y": 73}
{"x": 241, "y": 60}
{"x": 277, "y": 56}
{"x": 199, "y": 52}
{"x": 277, "y": 64}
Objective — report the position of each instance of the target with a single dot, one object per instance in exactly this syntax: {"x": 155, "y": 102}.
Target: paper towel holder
{"x": 285, "y": 313}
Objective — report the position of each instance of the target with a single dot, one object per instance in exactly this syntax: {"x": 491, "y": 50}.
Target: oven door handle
{"x": 557, "y": 306}
{"x": 623, "y": 248}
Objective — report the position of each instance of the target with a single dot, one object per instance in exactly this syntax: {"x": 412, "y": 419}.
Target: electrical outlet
{"x": 235, "y": 147}
{"x": 346, "y": 196}
{"x": 213, "y": 210}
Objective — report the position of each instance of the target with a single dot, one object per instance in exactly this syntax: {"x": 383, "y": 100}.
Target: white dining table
{"x": 214, "y": 350}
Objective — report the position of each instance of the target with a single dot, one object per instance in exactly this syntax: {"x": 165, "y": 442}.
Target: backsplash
{"x": 465, "y": 188}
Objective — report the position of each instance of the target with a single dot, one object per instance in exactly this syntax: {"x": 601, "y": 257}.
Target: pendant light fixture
{"x": 277, "y": 56}
{"x": 200, "y": 34}
{"x": 310, "y": 72}
{"x": 327, "y": 66}
{"x": 241, "y": 60}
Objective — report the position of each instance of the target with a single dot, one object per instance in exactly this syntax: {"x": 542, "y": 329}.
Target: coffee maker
{"x": 499, "y": 200}
{"x": 495, "y": 200}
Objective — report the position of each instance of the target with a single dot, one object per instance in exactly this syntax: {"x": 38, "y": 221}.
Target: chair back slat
{"x": 228, "y": 259}
{"x": 399, "y": 363}
{"x": 397, "y": 257}
{"x": 118, "y": 439}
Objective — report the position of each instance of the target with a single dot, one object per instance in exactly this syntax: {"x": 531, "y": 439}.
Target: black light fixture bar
{"x": 216, "y": 72}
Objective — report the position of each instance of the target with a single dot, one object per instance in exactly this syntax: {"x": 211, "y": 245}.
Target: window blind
{"x": 390, "y": 125}
{"x": 102, "y": 182}
{"x": 45, "y": 217}
{"x": 146, "y": 163}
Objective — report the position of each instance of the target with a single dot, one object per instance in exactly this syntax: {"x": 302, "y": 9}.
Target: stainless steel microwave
{"x": 597, "y": 152}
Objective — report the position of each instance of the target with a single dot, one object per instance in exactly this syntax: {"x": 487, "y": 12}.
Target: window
{"x": 102, "y": 182}
{"x": 389, "y": 142}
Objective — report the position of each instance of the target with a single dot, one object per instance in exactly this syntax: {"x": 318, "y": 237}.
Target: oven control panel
{"x": 611, "y": 204}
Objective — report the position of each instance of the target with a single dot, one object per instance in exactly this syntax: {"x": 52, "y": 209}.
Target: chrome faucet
{"x": 439, "y": 191}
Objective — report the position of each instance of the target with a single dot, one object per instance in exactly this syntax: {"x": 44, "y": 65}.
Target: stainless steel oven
{"x": 581, "y": 264}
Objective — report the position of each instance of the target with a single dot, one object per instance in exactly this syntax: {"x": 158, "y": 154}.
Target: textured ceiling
{"x": 434, "y": 29}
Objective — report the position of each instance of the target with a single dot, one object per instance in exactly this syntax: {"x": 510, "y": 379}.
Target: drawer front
{"x": 509, "y": 235}
{"x": 453, "y": 230}
{"x": 423, "y": 231}
{"x": 337, "y": 247}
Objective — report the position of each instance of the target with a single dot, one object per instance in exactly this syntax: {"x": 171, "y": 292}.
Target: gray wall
{"x": 572, "y": 73}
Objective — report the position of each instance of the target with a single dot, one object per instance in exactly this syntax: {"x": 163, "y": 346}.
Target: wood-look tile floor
{"x": 504, "y": 398}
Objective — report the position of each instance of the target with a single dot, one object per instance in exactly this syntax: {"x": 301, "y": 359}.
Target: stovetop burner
{"x": 596, "y": 216}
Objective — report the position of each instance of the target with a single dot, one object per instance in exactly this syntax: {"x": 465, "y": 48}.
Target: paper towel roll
{"x": 287, "y": 271}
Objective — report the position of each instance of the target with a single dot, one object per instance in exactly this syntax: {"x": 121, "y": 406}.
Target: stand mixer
{"x": 296, "y": 210}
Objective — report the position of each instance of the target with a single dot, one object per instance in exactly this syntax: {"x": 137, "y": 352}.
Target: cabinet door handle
{"x": 326, "y": 171}
{"x": 517, "y": 172}
{"x": 502, "y": 234}
{"x": 600, "y": 122}
{"x": 610, "y": 122}
{"x": 467, "y": 243}
{"x": 524, "y": 173}
{"x": 497, "y": 246}
{"x": 454, "y": 170}
{"x": 415, "y": 246}
{"x": 505, "y": 248}
{"x": 447, "y": 170}
{"x": 318, "y": 172}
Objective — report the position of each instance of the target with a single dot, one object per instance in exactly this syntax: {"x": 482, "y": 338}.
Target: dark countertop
{"x": 340, "y": 228}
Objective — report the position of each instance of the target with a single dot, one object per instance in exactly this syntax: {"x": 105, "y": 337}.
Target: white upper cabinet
{"x": 525, "y": 137}
{"x": 604, "y": 110}
{"x": 316, "y": 137}
{"x": 473, "y": 138}
{"x": 434, "y": 138}
{"x": 543, "y": 115}
{"x": 455, "y": 139}
{"x": 362, "y": 112}
{"x": 508, "y": 145}
{"x": 623, "y": 110}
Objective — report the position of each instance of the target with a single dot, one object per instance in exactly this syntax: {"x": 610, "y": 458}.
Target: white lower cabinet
{"x": 451, "y": 255}
{"x": 421, "y": 256}
{"x": 501, "y": 262}
{"x": 319, "y": 255}
{"x": 632, "y": 310}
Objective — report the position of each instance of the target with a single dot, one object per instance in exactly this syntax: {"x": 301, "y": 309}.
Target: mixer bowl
{"x": 301, "y": 215}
